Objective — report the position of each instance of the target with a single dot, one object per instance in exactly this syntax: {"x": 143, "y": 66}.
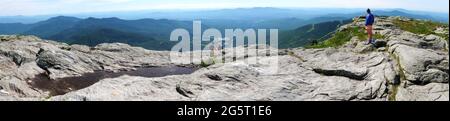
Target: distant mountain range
{"x": 298, "y": 26}
{"x": 257, "y": 13}
{"x": 148, "y": 33}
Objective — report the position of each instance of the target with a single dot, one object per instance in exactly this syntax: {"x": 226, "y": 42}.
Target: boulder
{"x": 7, "y": 66}
{"x": 418, "y": 64}
{"x": 80, "y": 48}
{"x": 61, "y": 63}
{"x": 380, "y": 43}
{"x": 13, "y": 86}
{"x": 362, "y": 47}
{"x": 429, "y": 92}
{"x": 19, "y": 51}
{"x": 431, "y": 37}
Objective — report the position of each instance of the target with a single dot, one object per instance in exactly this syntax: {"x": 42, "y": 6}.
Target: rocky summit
{"x": 400, "y": 66}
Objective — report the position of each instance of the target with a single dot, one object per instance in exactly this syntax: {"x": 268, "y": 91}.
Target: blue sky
{"x": 42, "y": 7}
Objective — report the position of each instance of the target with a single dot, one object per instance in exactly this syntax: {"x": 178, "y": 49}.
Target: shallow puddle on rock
{"x": 64, "y": 85}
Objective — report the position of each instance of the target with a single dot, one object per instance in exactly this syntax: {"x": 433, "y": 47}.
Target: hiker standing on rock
{"x": 370, "y": 19}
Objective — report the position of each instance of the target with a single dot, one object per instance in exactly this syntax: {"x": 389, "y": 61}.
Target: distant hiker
{"x": 370, "y": 19}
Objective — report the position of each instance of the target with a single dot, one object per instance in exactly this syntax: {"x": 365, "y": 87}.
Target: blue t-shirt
{"x": 370, "y": 19}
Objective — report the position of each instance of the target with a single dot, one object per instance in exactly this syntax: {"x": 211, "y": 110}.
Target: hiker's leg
{"x": 369, "y": 33}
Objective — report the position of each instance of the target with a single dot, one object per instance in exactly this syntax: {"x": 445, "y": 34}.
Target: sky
{"x": 45, "y": 7}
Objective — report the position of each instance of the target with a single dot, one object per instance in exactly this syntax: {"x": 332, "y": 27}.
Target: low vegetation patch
{"x": 421, "y": 27}
{"x": 342, "y": 37}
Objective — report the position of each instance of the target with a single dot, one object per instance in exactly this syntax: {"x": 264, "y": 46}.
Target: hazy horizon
{"x": 348, "y": 10}
{"x": 61, "y": 7}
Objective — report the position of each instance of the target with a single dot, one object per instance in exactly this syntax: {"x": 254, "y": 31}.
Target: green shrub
{"x": 342, "y": 37}
{"x": 421, "y": 27}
